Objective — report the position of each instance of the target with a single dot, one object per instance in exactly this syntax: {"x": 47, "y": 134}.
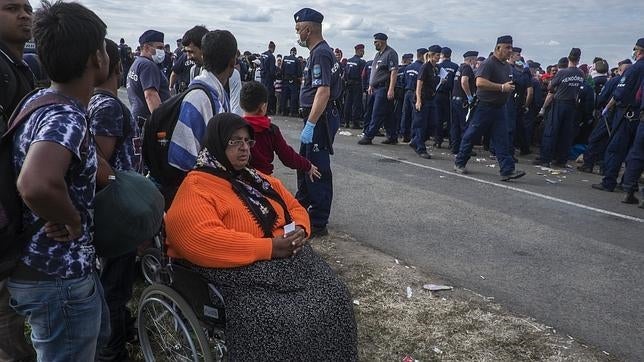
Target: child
{"x": 269, "y": 139}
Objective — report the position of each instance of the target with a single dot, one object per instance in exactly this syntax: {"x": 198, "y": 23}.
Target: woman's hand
{"x": 288, "y": 245}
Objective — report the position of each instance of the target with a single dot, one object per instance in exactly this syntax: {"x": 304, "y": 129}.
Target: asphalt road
{"x": 547, "y": 245}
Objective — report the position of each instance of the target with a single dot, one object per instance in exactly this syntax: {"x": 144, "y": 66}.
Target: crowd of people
{"x": 227, "y": 218}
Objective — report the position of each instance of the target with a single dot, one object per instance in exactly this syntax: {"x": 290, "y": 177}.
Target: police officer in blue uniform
{"x": 559, "y": 127}
{"x": 291, "y": 76}
{"x": 381, "y": 85}
{"x": 517, "y": 104}
{"x": 635, "y": 158}
{"x": 424, "y": 116}
{"x": 269, "y": 69}
{"x": 463, "y": 93}
{"x": 353, "y": 77}
{"x": 368, "y": 98}
{"x": 399, "y": 91}
{"x": 625, "y": 122}
{"x": 444, "y": 96}
{"x": 535, "y": 103}
{"x": 411, "y": 76}
{"x": 598, "y": 139}
{"x": 321, "y": 86}
{"x": 493, "y": 87}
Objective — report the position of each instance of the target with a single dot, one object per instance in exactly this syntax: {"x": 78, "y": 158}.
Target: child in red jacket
{"x": 268, "y": 138}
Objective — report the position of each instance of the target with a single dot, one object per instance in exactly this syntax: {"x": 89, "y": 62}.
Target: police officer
{"x": 625, "y": 122}
{"x": 147, "y": 86}
{"x": 493, "y": 87}
{"x": 535, "y": 104}
{"x": 353, "y": 74}
{"x": 635, "y": 158}
{"x": 291, "y": 76}
{"x": 381, "y": 85}
{"x": 559, "y": 126}
{"x": 424, "y": 108}
{"x": 320, "y": 88}
{"x": 444, "y": 96}
{"x": 399, "y": 91}
{"x": 598, "y": 139}
{"x": 268, "y": 75}
{"x": 463, "y": 93}
{"x": 368, "y": 98}
{"x": 411, "y": 76}
{"x": 517, "y": 104}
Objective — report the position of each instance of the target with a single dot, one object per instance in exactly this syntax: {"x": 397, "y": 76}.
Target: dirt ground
{"x": 457, "y": 325}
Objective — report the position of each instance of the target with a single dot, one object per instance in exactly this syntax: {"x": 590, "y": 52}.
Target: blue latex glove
{"x": 307, "y": 133}
{"x": 470, "y": 99}
{"x": 604, "y": 111}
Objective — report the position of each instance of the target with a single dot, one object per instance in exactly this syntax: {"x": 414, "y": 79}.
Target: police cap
{"x": 421, "y": 51}
{"x": 446, "y": 52}
{"x": 471, "y": 53}
{"x": 380, "y": 36}
{"x": 408, "y": 56}
{"x": 516, "y": 49}
{"x": 293, "y": 49}
{"x": 625, "y": 61}
{"x": 151, "y": 36}
{"x": 640, "y": 43}
{"x": 359, "y": 46}
{"x": 435, "y": 49}
{"x": 308, "y": 14}
{"x": 480, "y": 59}
{"x": 575, "y": 53}
{"x": 505, "y": 39}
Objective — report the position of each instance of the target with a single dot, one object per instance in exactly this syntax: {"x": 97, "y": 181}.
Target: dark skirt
{"x": 292, "y": 309}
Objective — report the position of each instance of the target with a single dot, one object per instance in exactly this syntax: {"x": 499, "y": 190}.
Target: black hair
{"x": 253, "y": 94}
{"x": 219, "y": 47}
{"x": 194, "y": 36}
{"x": 67, "y": 34}
{"x": 113, "y": 52}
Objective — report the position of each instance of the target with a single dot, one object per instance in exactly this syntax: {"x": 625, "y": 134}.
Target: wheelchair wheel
{"x": 168, "y": 328}
{"x": 151, "y": 264}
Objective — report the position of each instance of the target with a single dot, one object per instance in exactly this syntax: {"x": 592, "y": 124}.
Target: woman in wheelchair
{"x": 283, "y": 302}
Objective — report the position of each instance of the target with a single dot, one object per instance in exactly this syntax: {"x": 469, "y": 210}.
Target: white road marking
{"x": 506, "y": 187}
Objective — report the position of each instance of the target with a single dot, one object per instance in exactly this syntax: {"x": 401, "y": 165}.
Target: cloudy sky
{"x": 545, "y": 30}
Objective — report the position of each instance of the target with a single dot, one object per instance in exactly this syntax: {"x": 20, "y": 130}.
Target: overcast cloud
{"x": 545, "y": 30}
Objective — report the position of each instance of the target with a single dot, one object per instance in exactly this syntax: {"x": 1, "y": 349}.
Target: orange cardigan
{"x": 210, "y": 226}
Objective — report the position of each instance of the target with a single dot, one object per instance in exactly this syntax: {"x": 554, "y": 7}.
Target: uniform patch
{"x": 317, "y": 71}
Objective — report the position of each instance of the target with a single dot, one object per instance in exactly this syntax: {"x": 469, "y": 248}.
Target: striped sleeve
{"x": 190, "y": 129}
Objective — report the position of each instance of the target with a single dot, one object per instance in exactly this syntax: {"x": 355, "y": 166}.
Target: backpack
{"x": 14, "y": 236}
{"x": 157, "y": 134}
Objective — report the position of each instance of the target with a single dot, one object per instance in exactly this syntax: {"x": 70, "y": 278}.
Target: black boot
{"x": 630, "y": 198}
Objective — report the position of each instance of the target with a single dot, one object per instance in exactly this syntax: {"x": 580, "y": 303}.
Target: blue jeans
{"x": 68, "y": 317}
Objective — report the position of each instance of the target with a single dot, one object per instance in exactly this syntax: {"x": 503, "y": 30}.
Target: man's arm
{"x": 392, "y": 83}
{"x": 42, "y": 185}
{"x": 173, "y": 79}
{"x": 152, "y": 99}
{"x": 465, "y": 84}
{"x": 529, "y": 96}
{"x": 322, "y": 95}
{"x": 484, "y": 84}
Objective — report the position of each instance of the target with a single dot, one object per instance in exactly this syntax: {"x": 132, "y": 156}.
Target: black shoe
{"x": 513, "y": 176}
{"x": 406, "y": 139}
{"x": 317, "y": 231}
{"x": 600, "y": 187}
{"x": 425, "y": 155}
{"x": 630, "y": 199}
{"x": 390, "y": 141}
{"x": 365, "y": 141}
{"x": 585, "y": 169}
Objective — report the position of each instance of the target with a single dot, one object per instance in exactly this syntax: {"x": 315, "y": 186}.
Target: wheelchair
{"x": 181, "y": 317}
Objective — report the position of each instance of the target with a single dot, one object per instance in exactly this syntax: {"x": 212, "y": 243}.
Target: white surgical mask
{"x": 303, "y": 43}
{"x": 159, "y": 56}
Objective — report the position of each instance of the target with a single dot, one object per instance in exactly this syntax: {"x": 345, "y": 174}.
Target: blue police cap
{"x": 534, "y": 65}
{"x": 446, "y": 51}
{"x": 505, "y": 39}
{"x": 625, "y": 61}
{"x": 151, "y": 36}
{"x": 421, "y": 51}
{"x": 359, "y": 46}
{"x": 516, "y": 49}
{"x": 435, "y": 49}
{"x": 640, "y": 43}
{"x": 470, "y": 53}
{"x": 380, "y": 36}
{"x": 480, "y": 59}
{"x": 408, "y": 56}
{"x": 308, "y": 14}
